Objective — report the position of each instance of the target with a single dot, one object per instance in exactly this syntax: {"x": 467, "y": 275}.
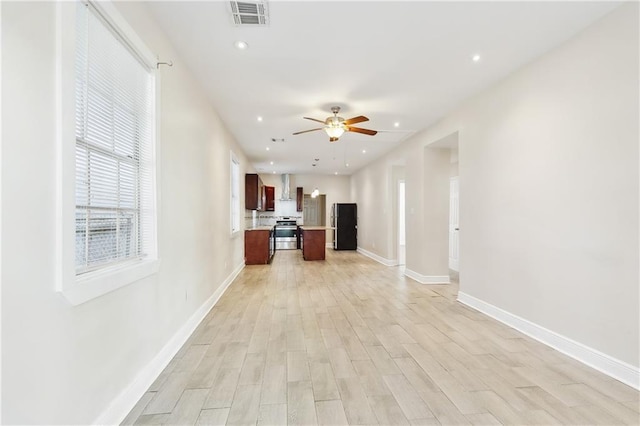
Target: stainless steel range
{"x": 286, "y": 234}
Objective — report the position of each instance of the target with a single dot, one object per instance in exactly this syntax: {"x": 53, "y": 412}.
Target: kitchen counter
{"x": 313, "y": 242}
{"x": 260, "y": 228}
{"x": 259, "y": 245}
{"x": 315, "y": 228}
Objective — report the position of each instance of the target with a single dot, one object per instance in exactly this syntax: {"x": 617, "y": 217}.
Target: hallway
{"x": 350, "y": 341}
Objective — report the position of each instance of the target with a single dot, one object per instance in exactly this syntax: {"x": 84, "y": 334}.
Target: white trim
{"x": 118, "y": 409}
{"x": 0, "y": 204}
{"x": 427, "y": 279}
{"x": 65, "y": 152}
{"x": 234, "y": 160}
{"x": 380, "y": 259}
{"x": 78, "y": 289}
{"x": 615, "y": 368}
{"x": 328, "y": 245}
{"x": 106, "y": 280}
{"x": 454, "y": 264}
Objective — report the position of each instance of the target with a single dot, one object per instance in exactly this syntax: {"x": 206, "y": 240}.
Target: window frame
{"x": 81, "y": 288}
{"x": 234, "y": 162}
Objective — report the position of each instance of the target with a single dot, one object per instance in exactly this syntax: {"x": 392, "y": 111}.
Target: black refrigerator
{"x": 344, "y": 220}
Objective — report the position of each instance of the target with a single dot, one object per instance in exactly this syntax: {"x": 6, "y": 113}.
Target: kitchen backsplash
{"x": 283, "y": 208}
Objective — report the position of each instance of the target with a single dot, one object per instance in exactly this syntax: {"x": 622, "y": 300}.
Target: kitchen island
{"x": 313, "y": 242}
{"x": 259, "y": 245}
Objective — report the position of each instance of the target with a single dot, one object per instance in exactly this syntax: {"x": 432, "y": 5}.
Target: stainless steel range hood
{"x": 286, "y": 188}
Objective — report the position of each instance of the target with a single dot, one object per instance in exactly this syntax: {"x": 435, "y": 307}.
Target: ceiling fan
{"x": 335, "y": 126}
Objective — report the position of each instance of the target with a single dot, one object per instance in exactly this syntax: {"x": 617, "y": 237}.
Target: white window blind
{"x": 114, "y": 147}
{"x": 235, "y": 194}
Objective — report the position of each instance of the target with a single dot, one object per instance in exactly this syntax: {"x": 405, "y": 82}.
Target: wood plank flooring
{"x": 350, "y": 341}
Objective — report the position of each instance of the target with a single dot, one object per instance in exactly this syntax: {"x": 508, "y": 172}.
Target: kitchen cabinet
{"x": 313, "y": 242}
{"x": 268, "y": 198}
{"x": 252, "y": 191}
{"x": 299, "y": 199}
{"x": 259, "y": 245}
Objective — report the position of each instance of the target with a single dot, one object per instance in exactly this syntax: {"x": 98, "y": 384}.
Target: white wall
{"x": 64, "y": 364}
{"x": 371, "y": 189}
{"x": 548, "y": 165}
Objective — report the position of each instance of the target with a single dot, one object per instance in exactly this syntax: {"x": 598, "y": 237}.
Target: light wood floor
{"x": 349, "y": 341}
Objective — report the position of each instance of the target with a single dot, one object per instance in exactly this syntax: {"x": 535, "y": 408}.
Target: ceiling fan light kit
{"x": 334, "y": 131}
{"x": 335, "y": 126}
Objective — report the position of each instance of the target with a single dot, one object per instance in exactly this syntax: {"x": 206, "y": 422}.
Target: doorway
{"x": 454, "y": 222}
{"x": 402, "y": 253}
{"x": 314, "y": 210}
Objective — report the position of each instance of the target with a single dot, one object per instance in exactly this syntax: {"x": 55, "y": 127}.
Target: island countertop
{"x": 315, "y": 228}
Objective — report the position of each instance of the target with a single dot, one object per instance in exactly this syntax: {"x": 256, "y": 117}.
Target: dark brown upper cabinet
{"x": 269, "y": 197}
{"x": 299, "y": 199}
{"x": 252, "y": 191}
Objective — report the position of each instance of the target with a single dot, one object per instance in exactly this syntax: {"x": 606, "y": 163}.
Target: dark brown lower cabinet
{"x": 313, "y": 245}
{"x": 259, "y": 246}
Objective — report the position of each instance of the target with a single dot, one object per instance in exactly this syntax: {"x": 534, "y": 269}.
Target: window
{"x": 114, "y": 116}
{"x": 235, "y": 194}
{"x": 107, "y": 196}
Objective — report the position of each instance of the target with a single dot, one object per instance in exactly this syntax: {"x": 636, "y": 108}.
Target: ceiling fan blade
{"x": 360, "y": 130}
{"x": 311, "y": 130}
{"x": 354, "y": 120}
{"x": 333, "y": 139}
{"x": 313, "y": 119}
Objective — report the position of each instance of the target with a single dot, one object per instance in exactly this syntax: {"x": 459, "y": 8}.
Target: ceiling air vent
{"x": 250, "y": 13}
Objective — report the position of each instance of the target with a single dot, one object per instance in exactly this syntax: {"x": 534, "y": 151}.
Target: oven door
{"x": 286, "y": 237}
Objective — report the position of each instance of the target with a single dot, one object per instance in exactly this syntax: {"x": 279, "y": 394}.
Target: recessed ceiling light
{"x": 271, "y": 163}
{"x": 396, "y": 124}
{"x": 259, "y": 118}
{"x": 475, "y": 58}
{"x": 336, "y": 173}
{"x": 242, "y": 45}
{"x": 268, "y": 148}
{"x": 364, "y": 151}
{"x": 347, "y": 164}
{"x": 274, "y": 172}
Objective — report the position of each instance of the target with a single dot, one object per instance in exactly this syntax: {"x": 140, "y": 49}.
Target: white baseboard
{"x": 427, "y": 279}
{"x": 619, "y": 370}
{"x": 123, "y": 403}
{"x": 380, "y": 259}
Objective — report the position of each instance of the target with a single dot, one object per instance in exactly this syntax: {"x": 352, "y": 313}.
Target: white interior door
{"x": 311, "y": 211}
{"x": 454, "y": 226}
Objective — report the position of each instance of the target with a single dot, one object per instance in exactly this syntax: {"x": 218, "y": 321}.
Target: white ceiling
{"x": 406, "y": 62}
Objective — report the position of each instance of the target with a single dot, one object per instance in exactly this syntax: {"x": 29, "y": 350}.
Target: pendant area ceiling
{"x": 395, "y": 62}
